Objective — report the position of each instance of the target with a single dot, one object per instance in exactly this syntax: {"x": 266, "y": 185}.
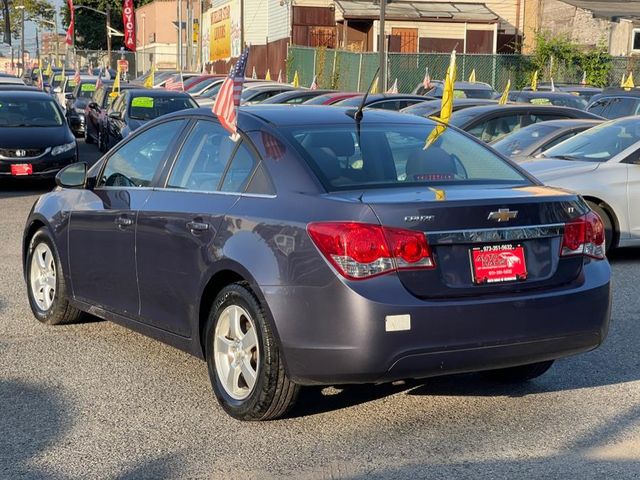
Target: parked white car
{"x": 603, "y": 165}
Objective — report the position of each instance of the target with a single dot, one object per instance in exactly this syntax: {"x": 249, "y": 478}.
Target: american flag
{"x": 99, "y": 81}
{"x": 314, "y": 84}
{"x": 173, "y": 84}
{"x": 426, "y": 83}
{"x": 228, "y": 98}
{"x": 76, "y": 77}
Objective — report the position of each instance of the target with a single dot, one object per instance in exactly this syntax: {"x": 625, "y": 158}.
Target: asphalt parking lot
{"x": 98, "y": 401}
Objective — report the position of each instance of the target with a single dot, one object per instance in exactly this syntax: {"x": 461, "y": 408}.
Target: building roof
{"x": 417, "y": 11}
{"x": 610, "y": 10}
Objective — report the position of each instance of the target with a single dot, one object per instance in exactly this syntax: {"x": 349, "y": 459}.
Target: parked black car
{"x": 318, "y": 250}
{"x": 77, "y": 102}
{"x": 292, "y": 97}
{"x": 135, "y": 107}
{"x": 384, "y": 101}
{"x": 562, "y": 99}
{"x": 432, "y": 107}
{"x": 35, "y": 140}
{"x": 95, "y": 113}
{"x": 491, "y": 122}
{"x": 460, "y": 90}
{"x": 538, "y": 137}
{"x": 583, "y": 91}
{"x": 616, "y": 103}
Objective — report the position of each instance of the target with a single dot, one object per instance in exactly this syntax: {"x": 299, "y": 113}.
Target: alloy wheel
{"x": 236, "y": 352}
{"x": 42, "y": 276}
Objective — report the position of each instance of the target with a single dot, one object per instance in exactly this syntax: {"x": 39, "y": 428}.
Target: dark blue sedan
{"x": 318, "y": 249}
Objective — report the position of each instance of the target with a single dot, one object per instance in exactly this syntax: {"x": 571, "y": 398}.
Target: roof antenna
{"x": 357, "y": 116}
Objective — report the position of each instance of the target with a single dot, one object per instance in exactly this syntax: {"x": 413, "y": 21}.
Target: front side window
{"x": 622, "y": 107}
{"x": 598, "y": 107}
{"x": 600, "y": 143}
{"x": 495, "y": 128}
{"x": 135, "y": 163}
{"x": 203, "y": 158}
{"x": 394, "y": 155}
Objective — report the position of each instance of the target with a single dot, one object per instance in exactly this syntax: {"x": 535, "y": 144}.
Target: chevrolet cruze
{"x": 321, "y": 247}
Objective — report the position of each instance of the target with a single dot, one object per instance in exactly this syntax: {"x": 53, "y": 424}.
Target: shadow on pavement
{"x": 32, "y": 420}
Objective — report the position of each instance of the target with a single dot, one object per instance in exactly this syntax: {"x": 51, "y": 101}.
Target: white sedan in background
{"x": 603, "y": 165}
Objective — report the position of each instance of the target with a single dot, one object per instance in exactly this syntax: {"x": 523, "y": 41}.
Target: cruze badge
{"x": 419, "y": 218}
{"x": 21, "y": 153}
{"x": 502, "y": 215}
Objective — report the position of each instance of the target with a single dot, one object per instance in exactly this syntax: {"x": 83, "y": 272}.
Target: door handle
{"x": 123, "y": 221}
{"x": 196, "y": 227}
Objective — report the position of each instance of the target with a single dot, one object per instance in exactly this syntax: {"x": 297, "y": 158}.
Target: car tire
{"x": 230, "y": 352}
{"x": 46, "y": 287}
{"x": 519, "y": 374}
{"x": 609, "y": 229}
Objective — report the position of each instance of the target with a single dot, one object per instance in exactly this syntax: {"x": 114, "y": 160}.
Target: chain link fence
{"x": 349, "y": 71}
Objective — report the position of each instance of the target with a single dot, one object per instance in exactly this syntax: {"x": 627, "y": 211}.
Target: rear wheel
{"x": 609, "y": 230}
{"x": 244, "y": 361}
{"x": 46, "y": 287}
{"x": 519, "y": 374}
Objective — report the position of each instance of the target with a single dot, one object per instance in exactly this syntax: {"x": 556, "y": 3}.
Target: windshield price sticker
{"x": 88, "y": 87}
{"x": 142, "y": 102}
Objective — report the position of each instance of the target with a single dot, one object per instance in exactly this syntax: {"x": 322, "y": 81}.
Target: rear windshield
{"x": 424, "y": 109}
{"x": 600, "y": 143}
{"x": 395, "y": 155}
{"x": 569, "y": 100}
{"x": 516, "y": 142}
{"x": 148, "y": 108}
{"x": 474, "y": 93}
{"x": 29, "y": 112}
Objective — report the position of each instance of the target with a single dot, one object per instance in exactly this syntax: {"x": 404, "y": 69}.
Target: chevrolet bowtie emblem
{"x": 502, "y": 215}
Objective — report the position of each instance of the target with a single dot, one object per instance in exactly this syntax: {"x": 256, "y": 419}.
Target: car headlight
{"x": 63, "y": 148}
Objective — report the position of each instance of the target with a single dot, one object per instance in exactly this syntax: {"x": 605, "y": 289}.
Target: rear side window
{"x": 622, "y": 107}
{"x": 240, "y": 170}
{"x": 136, "y": 162}
{"x": 394, "y": 155}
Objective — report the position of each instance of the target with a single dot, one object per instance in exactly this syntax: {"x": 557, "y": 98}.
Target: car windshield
{"x": 424, "y": 109}
{"x": 516, "y": 142}
{"x": 69, "y": 85}
{"x": 484, "y": 94}
{"x": 600, "y": 143}
{"x": 86, "y": 89}
{"x": 213, "y": 91}
{"x": 29, "y": 112}
{"x": 148, "y": 108}
{"x": 394, "y": 155}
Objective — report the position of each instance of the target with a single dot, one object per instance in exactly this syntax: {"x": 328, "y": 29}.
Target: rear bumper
{"x": 333, "y": 334}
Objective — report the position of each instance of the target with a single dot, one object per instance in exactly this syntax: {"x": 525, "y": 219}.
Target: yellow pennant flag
{"x": 534, "y": 81}
{"x": 447, "y": 102}
{"x": 115, "y": 89}
{"x": 628, "y": 83}
{"x": 268, "y": 75}
{"x": 505, "y": 94}
{"x": 296, "y": 80}
{"x": 150, "y": 81}
{"x": 49, "y": 70}
{"x": 472, "y": 77}
{"x": 374, "y": 89}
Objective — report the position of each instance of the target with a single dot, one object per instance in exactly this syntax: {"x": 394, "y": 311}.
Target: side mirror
{"x": 72, "y": 176}
{"x": 57, "y": 90}
{"x": 68, "y": 96}
{"x": 115, "y": 115}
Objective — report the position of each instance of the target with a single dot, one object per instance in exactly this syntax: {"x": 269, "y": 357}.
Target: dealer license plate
{"x": 18, "y": 169}
{"x": 498, "y": 263}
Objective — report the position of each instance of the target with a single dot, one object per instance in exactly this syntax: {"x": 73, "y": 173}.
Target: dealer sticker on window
{"x": 142, "y": 102}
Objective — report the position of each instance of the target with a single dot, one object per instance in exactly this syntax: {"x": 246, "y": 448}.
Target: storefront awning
{"x": 416, "y": 11}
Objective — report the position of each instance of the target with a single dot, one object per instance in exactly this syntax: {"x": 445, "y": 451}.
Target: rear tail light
{"x": 584, "y": 236}
{"x": 360, "y": 250}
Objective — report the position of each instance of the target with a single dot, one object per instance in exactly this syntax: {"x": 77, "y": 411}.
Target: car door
{"x": 632, "y": 162}
{"x": 102, "y": 228}
{"x": 178, "y": 224}
{"x": 115, "y": 125}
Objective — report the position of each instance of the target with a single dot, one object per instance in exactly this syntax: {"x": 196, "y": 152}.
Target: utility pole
{"x": 57, "y": 35}
{"x": 22, "y": 39}
{"x": 382, "y": 49}
{"x": 179, "y": 57}
{"x": 38, "y": 45}
{"x": 108, "y": 15}
{"x": 187, "y": 35}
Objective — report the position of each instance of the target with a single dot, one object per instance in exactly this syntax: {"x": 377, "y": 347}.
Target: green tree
{"x": 33, "y": 10}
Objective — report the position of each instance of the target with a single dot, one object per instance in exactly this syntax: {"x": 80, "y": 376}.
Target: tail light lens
{"x": 584, "y": 236}
{"x": 360, "y": 250}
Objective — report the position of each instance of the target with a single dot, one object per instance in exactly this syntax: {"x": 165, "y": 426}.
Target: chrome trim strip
{"x": 183, "y": 190}
{"x": 487, "y": 235}
{"x": 19, "y": 159}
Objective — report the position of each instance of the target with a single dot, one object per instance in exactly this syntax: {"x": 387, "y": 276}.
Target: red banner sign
{"x": 69, "y": 38}
{"x": 129, "y": 22}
